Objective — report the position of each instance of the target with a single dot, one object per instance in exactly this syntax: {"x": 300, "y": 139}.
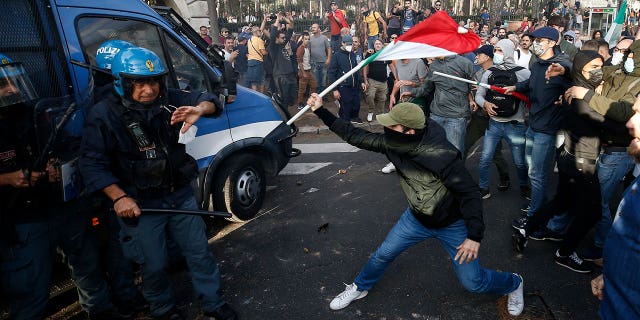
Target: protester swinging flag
{"x": 437, "y": 36}
{"x": 615, "y": 30}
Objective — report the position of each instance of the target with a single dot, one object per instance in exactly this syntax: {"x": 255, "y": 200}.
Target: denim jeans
{"x": 371, "y": 40}
{"x": 539, "y": 152}
{"x": 146, "y": 243}
{"x": 611, "y": 170}
{"x": 514, "y": 135}
{"x": 320, "y": 74}
{"x": 621, "y": 260}
{"x": 455, "y": 128}
{"x": 408, "y": 231}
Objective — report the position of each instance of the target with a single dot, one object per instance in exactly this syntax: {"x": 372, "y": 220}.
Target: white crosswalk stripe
{"x": 301, "y": 168}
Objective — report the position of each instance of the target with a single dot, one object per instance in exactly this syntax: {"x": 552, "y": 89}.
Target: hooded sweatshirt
{"x": 508, "y": 49}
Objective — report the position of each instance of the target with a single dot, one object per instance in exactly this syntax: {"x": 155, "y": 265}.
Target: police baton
{"x": 202, "y": 213}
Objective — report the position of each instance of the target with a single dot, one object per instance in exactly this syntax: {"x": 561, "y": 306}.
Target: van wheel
{"x": 239, "y": 187}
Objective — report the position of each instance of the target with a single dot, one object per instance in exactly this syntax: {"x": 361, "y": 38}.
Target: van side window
{"x": 188, "y": 74}
{"x": 189, "y": 71}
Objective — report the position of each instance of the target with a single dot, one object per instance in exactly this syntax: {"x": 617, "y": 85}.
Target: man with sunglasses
{"x": 131, "y": 152}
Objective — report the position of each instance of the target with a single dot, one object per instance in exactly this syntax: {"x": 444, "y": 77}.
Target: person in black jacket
{"x": 578, "y": 190}
{"x": 444, "y": 201}
{"x": 348, "y": 91}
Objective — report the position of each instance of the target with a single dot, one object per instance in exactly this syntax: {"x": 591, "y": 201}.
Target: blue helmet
{"x": 108, "y": 50}
{"x": 132, "y": 63}
{"x": 15, "y": 86}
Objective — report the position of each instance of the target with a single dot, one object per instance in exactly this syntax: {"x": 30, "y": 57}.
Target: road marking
{"x": 325, "y": 147}
{"x": 302, "y": 168}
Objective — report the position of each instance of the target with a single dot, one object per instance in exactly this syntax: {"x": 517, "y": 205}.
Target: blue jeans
{"x": 514, "y": 134}
{"x": 146, "y": 243}
{"x": 320, "y": 74}
{"x": 455, "y": 128}
{"x": 621, "y": 260}
{"x": 371, "y": 40}
{"x": 611, "y": 170}
{"x": 408, "y": 231}
{"x": 539, "y": 152}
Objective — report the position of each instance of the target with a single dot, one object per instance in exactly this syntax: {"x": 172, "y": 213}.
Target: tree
{"x": 213, "y": 21}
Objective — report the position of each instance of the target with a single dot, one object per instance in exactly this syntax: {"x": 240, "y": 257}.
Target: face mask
{"x": 348, "y": 48}
{"x": 629, "y": 65}
{"x": 616, "y": 58}
{"x": 595, "y": 77}
{"x": 538, "y": 49}
{"x": 498, "y": 58}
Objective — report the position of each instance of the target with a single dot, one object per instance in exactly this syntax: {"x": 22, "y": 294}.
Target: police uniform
{"x": 137, "y": 148}
{"x": 34, "y": 220}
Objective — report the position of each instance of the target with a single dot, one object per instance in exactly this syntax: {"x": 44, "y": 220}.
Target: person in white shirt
{"x": 523, "y": 55}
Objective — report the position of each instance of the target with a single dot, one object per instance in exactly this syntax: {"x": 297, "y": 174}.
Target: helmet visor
{"x": 15, "y": 86}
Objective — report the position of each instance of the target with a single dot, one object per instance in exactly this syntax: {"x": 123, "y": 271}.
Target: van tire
{"x": 239, "y": 187}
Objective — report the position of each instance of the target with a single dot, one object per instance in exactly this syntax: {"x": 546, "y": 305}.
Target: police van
{"x": 57, "y": 40}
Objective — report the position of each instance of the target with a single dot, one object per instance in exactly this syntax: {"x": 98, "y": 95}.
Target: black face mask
{"x": 401, "y": 140}
{"x": 365, "y": 13}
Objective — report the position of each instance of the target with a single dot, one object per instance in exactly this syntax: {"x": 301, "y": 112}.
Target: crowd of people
{"x": 566, "y": 103}
{"x": 569, "y": 102}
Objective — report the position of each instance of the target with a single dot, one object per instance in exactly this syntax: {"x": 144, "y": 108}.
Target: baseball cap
{"x": 546, "y": 33}
{"x": 486, "y": 49}
{"x": 347, "y": 39}
{"x": 407, "y": 114}
{"x": 333, "y": 2}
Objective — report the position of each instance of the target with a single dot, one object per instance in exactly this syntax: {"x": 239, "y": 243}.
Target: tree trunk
{"x": 213, "y": 21}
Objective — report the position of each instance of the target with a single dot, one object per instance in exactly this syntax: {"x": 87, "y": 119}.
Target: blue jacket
{"x": 341, "y": 62}
{"x": 545, "y": 116}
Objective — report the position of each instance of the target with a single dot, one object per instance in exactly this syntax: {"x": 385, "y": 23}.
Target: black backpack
{"x": 506, "y": 105}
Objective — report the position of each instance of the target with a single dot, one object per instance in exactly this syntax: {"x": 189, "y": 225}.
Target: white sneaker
{"x": 515, "y": 302}
{"x": 349, "y": 294}
{"x": 370, "y": 116}
{"x": 388, "y": 168}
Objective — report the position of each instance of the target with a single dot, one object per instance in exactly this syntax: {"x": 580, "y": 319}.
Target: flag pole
{"x": 335, "y": 84}
{"x": 488, "y": 86}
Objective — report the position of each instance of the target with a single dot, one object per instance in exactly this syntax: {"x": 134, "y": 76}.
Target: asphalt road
{"x": 316, "y": 230}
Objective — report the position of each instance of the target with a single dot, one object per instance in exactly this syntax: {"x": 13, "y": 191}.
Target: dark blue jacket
{"x": 545, "y": 115}
{"x": 109, "y": 154}
{"x": 341, "y": 63}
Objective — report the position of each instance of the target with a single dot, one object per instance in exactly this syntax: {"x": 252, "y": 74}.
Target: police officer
{"x": 33, "y": 218}
{"x": 130, "y": 152}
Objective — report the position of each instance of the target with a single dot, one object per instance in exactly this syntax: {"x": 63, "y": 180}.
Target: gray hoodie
{"x": 508, "y": 49}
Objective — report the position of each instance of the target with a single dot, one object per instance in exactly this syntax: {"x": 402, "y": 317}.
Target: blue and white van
{"x": 56, "y": 40}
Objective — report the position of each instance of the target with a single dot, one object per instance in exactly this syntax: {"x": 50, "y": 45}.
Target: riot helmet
{"x": 108, "y": 50}
{"x": 15, "y": 86}
{"x": 136, "y": 65}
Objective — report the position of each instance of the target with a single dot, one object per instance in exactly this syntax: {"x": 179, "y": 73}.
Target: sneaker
{"x": 545, "y": 234}
{"x": 224, "y": 312}
{"x": 357, "y": 121}
{"x": 504, "y": 184}
{"x": 519, "y": 240}
{"x": 349, "y": 294}
{"x": 592, "y": 253}
{"x": 515, "y": 301}
{"x": 173, "y": 314}
{"x": 388, "y": 168}
{"x": 485, "y": 193}
{"x": 525, "y": 208}
{"x": 572, "y": 262}
{"x": 370, "y": 116}
{"x": 525, "y": 192}
{"x": 520, "y": 223}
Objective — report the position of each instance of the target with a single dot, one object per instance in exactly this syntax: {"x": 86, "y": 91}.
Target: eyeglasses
{"x": 540, "y": 40}
{"x": 568, "y": 38}
{"x": 394, "y": 37}
{"x": 616, "y": 49}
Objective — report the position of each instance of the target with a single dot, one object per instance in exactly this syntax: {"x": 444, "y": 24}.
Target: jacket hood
{"x": 508, "y": 48}
{"x": 635, "y": 48}
{"x": 581, "y": 59}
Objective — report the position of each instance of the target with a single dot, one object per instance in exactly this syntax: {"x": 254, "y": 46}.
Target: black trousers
{"x": 578, "y": 193}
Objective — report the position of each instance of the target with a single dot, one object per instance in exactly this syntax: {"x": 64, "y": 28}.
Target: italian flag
{"x": 437, "y": 36}
{"x": 616, "y": 27}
